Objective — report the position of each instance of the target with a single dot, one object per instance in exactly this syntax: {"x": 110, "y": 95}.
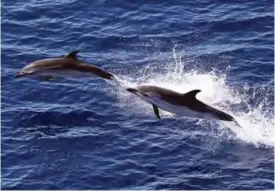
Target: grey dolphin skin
{"x": 181, "y": 104}
{"x": 62, "y": 65}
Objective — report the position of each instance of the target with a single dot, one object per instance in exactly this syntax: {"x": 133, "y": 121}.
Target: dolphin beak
{"x": 132, "y": 90}
{"x": 18, "y": 75}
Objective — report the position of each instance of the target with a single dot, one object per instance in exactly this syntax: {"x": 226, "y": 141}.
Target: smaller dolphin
{"x": 64, "y": 66}
{"x": 185, "y": 104}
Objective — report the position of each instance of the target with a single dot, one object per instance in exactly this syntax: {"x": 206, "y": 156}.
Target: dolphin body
{"x": 180, "y": 104}
{"x": 63, "y": 66}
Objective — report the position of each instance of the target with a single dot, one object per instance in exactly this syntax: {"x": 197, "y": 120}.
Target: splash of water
{"x": 256, "y": 119}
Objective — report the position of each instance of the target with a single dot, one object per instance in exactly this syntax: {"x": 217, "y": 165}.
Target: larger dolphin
{"x": 183, "y": 104}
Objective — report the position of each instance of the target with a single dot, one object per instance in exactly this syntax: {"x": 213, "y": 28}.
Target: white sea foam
{"x": 256, "y": 117}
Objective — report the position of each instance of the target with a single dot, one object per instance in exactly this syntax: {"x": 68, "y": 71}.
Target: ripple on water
{"x": 92, "y": 134}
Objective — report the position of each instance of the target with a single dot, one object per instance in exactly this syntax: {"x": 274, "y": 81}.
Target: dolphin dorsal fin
{"x": 72, "y": 54}
{"x": 192, "y": 94}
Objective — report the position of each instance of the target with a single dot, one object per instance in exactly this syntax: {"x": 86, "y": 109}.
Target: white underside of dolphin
{"x": 175, "y": 109}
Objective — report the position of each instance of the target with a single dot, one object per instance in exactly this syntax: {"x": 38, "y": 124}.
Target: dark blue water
{"x": 88, "y": 133}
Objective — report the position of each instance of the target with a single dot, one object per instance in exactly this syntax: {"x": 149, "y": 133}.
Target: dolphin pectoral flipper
{"x": 156, "y": 110}
{"x": 49, "y": 78}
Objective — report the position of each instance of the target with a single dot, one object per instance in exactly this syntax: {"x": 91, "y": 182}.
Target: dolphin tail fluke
{"x": 237, "y": 123}
{"x": 108, "y": 76}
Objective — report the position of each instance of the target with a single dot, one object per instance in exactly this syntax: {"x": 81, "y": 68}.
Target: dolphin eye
{"x": 28, "y": 72}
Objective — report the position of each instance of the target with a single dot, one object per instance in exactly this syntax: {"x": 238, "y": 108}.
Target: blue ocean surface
{"x": 90, "y": 133}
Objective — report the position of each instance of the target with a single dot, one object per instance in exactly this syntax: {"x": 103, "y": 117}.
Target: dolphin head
{"x": 20, "y": 74}
{"x": 43, "y": 65}
{"x": 26, "y": 71}
{"x": 29, "y": 70}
